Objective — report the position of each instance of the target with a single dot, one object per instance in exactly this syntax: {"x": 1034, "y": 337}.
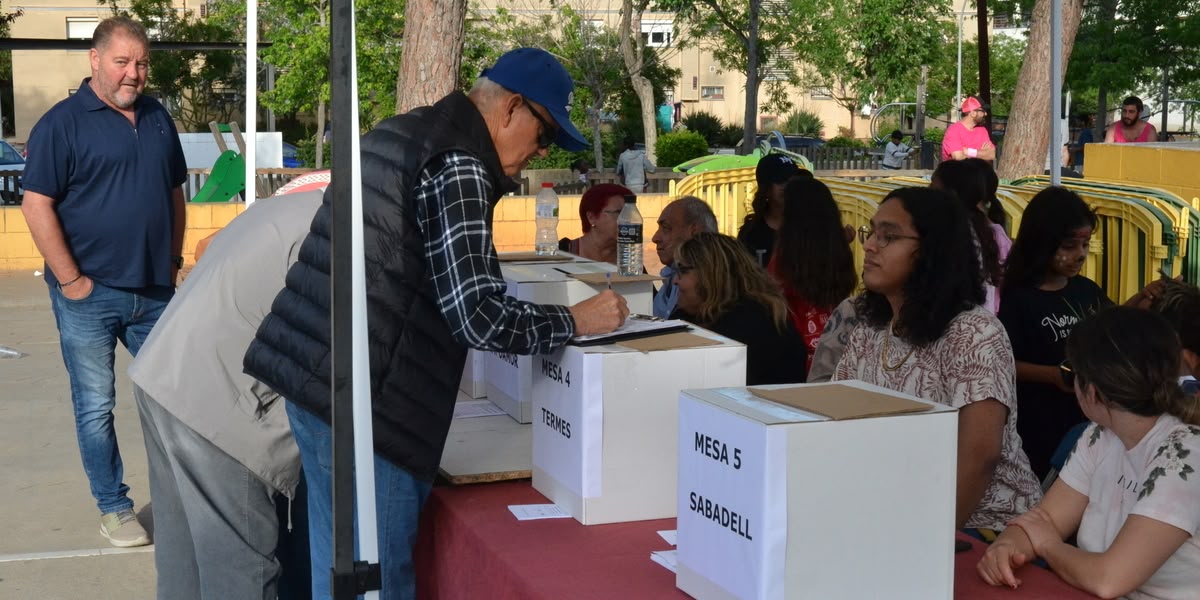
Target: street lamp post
{"x": 958, "y": 89}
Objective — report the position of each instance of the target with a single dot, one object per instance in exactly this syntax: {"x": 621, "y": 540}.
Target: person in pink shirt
{"x": 968, "y": 138}
{"x": 1131, "y": 129}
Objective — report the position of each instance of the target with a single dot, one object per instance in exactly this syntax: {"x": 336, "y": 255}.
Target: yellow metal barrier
{"x": 728, "y": 192}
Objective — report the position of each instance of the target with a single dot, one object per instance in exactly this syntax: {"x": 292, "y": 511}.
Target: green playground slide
{"x": 226, "y": 180}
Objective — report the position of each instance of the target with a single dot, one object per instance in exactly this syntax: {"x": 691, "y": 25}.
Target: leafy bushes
{"x": 804, "y": 123}
{"x": 845, "y": 142}
{"x": 680, "y": 146}
{"x": 731, "y": 135}
{"x": 706, "y": 124}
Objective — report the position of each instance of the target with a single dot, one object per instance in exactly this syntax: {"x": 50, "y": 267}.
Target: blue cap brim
{"x": 569, "y": 138}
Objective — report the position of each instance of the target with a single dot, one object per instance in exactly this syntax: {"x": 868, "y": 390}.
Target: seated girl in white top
{"x": 1131, "y": 490}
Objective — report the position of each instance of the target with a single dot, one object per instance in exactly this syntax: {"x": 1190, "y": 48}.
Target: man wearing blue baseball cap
{"x": 431, "y": 179}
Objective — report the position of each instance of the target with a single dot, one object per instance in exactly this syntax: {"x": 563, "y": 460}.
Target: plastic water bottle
{"x": 546, "y": 242}
{"x": 629, "y": 238}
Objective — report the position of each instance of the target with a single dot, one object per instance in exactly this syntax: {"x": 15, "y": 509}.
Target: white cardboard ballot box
{"x": 605, "y": 419}
{"x": 473, "y": 382}
{"x": 509, "y": 376}
{"x": 777, "y": 501}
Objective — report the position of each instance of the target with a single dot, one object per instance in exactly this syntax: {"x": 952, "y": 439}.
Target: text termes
{"x": 557, "y": 423}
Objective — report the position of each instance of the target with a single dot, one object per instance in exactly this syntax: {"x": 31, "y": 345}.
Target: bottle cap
{"x": 630, "y": 199}
{"x": 547, "y": 184}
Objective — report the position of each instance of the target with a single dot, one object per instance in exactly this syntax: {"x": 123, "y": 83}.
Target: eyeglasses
{"x": 1067, "y": 374}
{"x": 548, "y": 132}
{"x": 884, "y": 238}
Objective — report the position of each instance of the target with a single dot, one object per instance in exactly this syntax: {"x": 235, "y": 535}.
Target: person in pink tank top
{"x": 1131, "y": 129}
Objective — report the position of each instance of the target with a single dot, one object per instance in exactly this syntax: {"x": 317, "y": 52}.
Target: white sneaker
{"x": 123, "y": 530}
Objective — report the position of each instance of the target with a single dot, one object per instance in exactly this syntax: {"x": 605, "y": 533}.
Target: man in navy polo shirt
{"x": 105, "y": 206}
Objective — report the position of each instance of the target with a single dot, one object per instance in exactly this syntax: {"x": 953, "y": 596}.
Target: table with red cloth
{"x": 471, "y": 546}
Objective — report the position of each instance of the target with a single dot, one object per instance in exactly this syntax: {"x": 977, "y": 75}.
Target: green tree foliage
{"x": 1125, "y": 44}
{"x": 1006, "y": 53}
{"x": 299, "y": 33}
{"x": 722, "y": 27}
{"x": 680, "y": 146}
{"x": 870, "y": 50}
{"x": 197, "y": 86}
{"x": 706, "y": 124}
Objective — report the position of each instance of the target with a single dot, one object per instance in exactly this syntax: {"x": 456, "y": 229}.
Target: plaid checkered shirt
{"x": 452, "y": 210}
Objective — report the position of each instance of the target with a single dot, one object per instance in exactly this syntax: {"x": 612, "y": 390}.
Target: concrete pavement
{"x": 50, "y": 542}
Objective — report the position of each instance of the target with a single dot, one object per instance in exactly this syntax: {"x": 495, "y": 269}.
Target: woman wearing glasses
{"x": 924, "y": 333}
{"x": 1130, "y": 493}
{"x": 598, "y": 210}
{"x": 722, "y": 289}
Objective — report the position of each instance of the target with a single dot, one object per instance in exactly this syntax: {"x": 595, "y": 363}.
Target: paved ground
{"x": 50, "y": 543}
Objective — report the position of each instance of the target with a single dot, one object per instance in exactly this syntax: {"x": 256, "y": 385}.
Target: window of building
{"x": 820, "y": 93}
{"x": 81, "y": 28}
{"x": 714, "y": 92}
{"x": 657, "y": 34}
{"x": 781, "y": 66}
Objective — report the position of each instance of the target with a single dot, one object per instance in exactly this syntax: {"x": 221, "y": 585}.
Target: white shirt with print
{"x": 1157, "y": 479}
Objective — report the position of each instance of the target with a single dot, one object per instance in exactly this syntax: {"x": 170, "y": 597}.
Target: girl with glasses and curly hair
{"x": 924, "y": 333}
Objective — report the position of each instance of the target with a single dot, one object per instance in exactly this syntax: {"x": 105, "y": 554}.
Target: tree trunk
{"x": 985, "y": 60}
{"x": 597, "y": 147}
{"x": 633, "y": 51}
{"x": 750, "y": 120}
{"x": 1028, "y": 132}
{"x": 433, "y": 43}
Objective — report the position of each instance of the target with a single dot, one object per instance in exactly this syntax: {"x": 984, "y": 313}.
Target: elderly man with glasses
{"x": 431, "y": 180}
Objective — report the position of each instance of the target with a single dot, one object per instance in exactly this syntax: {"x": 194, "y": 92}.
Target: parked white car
{"x": 10, "y": 182}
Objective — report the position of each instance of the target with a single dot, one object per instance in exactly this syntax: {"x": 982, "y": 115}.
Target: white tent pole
{"x": 1056, "y": 139}
{"x": 251, "y": 128}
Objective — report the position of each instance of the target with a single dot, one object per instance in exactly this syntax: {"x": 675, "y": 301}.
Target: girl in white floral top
{"x": 1130, "y": 491}
{"x": 923, "y": 332}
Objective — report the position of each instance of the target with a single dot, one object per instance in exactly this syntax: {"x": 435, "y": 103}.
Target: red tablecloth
{"x": 471, "y": 546}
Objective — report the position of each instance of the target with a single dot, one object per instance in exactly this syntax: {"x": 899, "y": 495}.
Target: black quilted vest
{"x": 415, "y": 363}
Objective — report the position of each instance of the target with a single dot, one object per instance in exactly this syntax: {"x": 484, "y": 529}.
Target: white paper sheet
{"x": 670, "y": 536}
{"x": 633, "y": 325}
{"x": 666, "y": 558}
{"x": 466, "y": 409}
{"x": 531, "y": 512}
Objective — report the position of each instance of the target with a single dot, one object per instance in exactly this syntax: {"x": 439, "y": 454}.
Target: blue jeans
{"x": 88, "y": 331}
{"x": 398, "y": 501}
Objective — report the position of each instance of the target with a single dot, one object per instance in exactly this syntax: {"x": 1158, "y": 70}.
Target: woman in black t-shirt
{"x": 760, "y": 228}
{"x": 721, "y": 289}
{"x": 1043, "y": 296}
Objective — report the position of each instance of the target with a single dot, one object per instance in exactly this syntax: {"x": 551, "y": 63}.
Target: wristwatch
{"x": 177, "y": 261}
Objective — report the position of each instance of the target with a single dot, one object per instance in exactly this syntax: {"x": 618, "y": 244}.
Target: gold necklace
{"x": 887, "y": 349}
